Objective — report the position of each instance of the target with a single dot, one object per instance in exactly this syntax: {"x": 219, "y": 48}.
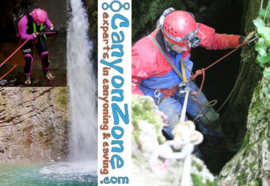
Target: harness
{"x": 169, "y": 92}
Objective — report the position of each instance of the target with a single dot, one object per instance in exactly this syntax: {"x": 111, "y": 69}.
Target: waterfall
{"x": 82, "y": 87}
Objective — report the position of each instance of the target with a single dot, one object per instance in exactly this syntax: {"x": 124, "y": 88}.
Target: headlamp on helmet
{"x": 179, "y": 27}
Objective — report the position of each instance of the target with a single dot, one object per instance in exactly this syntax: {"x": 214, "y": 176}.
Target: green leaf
{"x": 260, "y": 44}
{"x": 258, "y": 22}
{"x": 262, "y": 65}
{"x": 262, "y": 52}
{"x": 262, "y": 13}
{"x": 265, "y": 33}
{"x": 260, "y": 47}
{"x": 264, "y": 59}
{"x": 266, "y": 72}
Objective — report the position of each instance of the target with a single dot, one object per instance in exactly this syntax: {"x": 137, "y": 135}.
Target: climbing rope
{"x": 185, "y": 137}
{"x": 237, "y": 81}
{"x": 14, "y": 52}
{"x": 10, "y": 57}
{"x": 202, "y": 71}
{"x": 7, "y": 72}
{"x": 20, "y": 48}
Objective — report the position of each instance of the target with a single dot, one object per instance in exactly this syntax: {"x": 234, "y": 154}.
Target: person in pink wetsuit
{"x": 30, "y": 26}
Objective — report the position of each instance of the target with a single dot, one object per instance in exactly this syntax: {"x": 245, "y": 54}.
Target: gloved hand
{"x": 164, "y": 118}
{"x": 246, "y": 38}
{"x": 54, "y": 30}
{"x": 35, "y": 34}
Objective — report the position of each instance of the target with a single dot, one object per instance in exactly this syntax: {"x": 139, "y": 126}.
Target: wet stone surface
{"x": 16, "y": 77}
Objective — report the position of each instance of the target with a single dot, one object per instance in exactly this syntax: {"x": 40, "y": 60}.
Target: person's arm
{"x": 215, "y": 41}
{"x": 22, "y": 27}
{"x": 140, "y": 70}
{"x": 49, "y": 24}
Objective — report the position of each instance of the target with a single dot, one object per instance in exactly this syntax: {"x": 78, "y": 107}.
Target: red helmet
{"x": 39, "y": 16}
{"x": 180, "y": 28}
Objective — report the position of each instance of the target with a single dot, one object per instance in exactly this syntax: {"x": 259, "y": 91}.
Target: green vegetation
{"x": 92, "y": 12}
{"x": 63, "y": 90}
{"x": 198, "y": 166}
{"x": 143, "y": 110}
{"x": 246, "y": 140}
{"x": 62, "y": 100}
{"x": 263, "y": 44}
{"x": 242, "y": 180}
{"x": 145, "y": 12}
{"x": 257, "y": 183}
{"x": 62, "y": 96}
{"x": 197, "y": 181}
{"x": 251, "y": 165}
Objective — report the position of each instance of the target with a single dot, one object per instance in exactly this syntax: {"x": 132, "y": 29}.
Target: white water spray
{"x": 82, "y": 88}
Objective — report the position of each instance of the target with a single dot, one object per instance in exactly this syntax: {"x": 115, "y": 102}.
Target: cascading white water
{"x": 82, "y": 87}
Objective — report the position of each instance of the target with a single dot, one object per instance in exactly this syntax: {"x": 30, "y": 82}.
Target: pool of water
{"x": 62, "y": 174}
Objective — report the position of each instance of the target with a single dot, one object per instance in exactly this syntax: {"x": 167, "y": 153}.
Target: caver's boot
{"x": 213, "y": 129}
{"x": 27, "y": 80}
{"x": 48, "y": 75}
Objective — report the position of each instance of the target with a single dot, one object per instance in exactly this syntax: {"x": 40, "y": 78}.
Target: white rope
{"x": 185, "y": 137}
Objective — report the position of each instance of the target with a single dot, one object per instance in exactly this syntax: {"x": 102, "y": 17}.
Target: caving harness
{"x": 169, "y": 92}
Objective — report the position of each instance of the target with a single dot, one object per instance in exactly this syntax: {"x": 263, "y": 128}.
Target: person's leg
{"x": 27, "y": 50}
{"x": 208, "y": 125}
{"x": 172, "y": 108}
{"x": 41, "y": 46}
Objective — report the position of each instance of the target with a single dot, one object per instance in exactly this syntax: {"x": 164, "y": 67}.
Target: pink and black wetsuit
{"x": 27, "y": 27}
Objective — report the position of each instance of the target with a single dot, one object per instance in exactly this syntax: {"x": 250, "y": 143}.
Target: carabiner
{"x": 251, "y": 40}
{"x": 197, "y": 118}
{"x": 157, "y": 94}
{"x": 182, "y": 88}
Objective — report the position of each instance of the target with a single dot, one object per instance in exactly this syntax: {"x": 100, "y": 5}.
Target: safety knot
{"x": 184, "y": 132}
{"x": 198, "y": 72}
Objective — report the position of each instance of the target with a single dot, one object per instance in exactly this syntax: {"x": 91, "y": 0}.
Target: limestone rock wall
{"x": 33, "y": 124}
{"x": 251, "y": 165}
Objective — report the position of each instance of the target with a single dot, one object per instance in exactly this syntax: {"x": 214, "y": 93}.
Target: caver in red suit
{"x": 151, "y": 71}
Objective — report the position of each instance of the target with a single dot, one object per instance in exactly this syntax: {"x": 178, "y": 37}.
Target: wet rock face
{"x": 7, "y": 25}
{"x": 33, "y": 124}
